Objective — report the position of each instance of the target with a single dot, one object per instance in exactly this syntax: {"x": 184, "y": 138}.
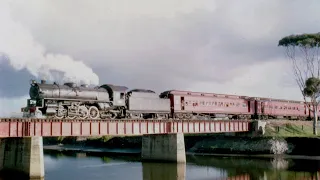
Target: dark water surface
{"x": 82, "y": 166}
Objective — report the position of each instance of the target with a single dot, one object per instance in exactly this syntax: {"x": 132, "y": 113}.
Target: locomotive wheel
{"x": 83, "y": 112}
{"x": 58, "y": 117}
{"x": 60, "y": 112}
{"x": 93, "y": 112}
{"x": 38, "y": 114}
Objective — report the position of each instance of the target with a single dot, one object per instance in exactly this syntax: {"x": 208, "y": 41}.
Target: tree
{"x": 303, "y": 51}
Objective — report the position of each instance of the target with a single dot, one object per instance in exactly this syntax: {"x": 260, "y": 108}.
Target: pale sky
{"x": 222, "y": 46}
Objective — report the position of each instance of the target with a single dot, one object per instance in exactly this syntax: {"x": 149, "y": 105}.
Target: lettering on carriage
{"x": 283, "y": 107}
{"x": 215, "y": 103}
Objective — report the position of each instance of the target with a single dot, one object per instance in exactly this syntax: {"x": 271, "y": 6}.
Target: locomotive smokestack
{"x": 43, "y": 81}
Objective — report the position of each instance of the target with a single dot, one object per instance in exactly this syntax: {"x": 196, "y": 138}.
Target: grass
{"x": 290, "y": 129}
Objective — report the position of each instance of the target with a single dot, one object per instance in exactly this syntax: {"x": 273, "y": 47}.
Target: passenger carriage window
{"x": 121, "y": 95}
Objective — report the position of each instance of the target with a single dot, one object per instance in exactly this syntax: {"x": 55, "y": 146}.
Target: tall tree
{"x": 303, "y": 50}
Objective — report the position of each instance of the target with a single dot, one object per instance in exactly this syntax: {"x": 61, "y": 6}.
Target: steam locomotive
{"x": 106, "y": 102}
{"x": 69, "y": 101}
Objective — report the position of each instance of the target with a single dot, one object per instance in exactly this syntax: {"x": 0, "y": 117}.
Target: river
{"x": 82, "y": 166}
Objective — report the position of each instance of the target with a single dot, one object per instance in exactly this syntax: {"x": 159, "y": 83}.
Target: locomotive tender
{"x": 69, "y": 101}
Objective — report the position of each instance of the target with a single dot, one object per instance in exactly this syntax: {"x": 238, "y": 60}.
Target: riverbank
{"x": 289, "y": 138}
{"x": 214, "y": 145}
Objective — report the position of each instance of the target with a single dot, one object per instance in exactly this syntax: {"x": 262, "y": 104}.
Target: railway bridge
{"x": 21, "y": 145}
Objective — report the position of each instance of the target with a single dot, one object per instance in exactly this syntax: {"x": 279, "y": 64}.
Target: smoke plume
{"x": 21, "y": 50}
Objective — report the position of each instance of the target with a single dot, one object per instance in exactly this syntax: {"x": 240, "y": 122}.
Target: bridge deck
{"x": 50, "y": 128}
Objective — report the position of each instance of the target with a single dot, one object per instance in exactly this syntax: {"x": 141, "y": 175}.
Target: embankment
{"x": 281, "y": 137}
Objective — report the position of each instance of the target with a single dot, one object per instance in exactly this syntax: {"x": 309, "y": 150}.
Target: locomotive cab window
{"x": 121, "y": 95}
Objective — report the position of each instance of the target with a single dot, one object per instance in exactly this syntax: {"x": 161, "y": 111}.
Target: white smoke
{"x": 21, "y": 50}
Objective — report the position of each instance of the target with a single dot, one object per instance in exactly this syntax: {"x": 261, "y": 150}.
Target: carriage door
{"x": 262, "y": 108}
{"x": 182, "y": 103}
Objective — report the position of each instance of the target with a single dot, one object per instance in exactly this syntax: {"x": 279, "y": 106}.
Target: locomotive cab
{"x": 116, "y": 94}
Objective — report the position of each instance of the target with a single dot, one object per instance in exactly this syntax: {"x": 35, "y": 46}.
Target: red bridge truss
{"x": 50, "y": 127}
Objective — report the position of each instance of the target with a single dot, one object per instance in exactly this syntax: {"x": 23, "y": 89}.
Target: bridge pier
{"x": 163, "y": 148}
{"x": 23, "y": 154}
{"x": 258, "y": 127}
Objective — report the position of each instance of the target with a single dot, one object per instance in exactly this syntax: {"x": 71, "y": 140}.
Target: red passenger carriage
{"x": 267, "y": 108}
{"x": 187, "y": 104}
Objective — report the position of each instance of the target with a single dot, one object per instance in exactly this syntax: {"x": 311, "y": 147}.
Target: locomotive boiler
{"x": 67, "y": 91}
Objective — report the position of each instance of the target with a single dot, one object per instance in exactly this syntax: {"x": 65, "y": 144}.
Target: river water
{"x": 82, "y": 166}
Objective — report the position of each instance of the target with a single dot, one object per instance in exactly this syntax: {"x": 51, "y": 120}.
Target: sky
{"x": 221, "y": 46}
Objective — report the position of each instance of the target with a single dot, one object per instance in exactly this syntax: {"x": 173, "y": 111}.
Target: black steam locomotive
{"x": 102, "y": 102}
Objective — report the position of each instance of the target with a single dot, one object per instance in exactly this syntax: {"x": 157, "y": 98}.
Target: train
{"x": 107, "y": 101}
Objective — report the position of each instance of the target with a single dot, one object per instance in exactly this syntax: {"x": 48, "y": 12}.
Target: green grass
{"x": 290, "y": 130}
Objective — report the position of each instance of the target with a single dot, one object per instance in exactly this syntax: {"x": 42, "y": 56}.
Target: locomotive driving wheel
{"x": 93, "y": 112}
{"x": 60, "y": 112}
{"x": 83, "y": 112}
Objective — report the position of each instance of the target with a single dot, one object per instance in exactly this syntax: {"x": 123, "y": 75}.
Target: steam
{"x": 21, "y": 50}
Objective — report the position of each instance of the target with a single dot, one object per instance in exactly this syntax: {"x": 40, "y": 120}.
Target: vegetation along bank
{"x": 281, "y": 137}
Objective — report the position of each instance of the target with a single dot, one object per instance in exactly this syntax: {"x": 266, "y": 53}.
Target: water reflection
{"x": 197, "y": 167}
{"x": 164, "y": 171}
{"x": 266, "y": 169}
